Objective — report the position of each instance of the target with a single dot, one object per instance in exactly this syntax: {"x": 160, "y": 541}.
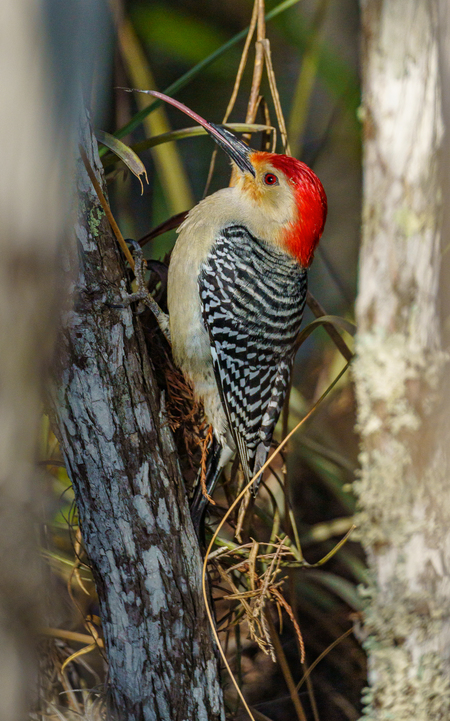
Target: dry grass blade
{"x": 75, "y": 569}
{"x": 322, "y": 656}
{"x": 326, "y": 320}
{"x": 237, "y": 83}
{"x": 241, "y": 515}
{"x": 336, "y": 548}
{"x": 206, "y": 442}
{"x": 276, "y": 98}
{"x": 224, "y": 519}
{"x": 282, "y": 601}
{"x": 81, "y": 652}
{"x": 319, "y": 311}
{"x": 164, "y": 227}
{"x": 285, "y": 669}
{"x": 69, "y": 635}
{"x": 253, "y": 102}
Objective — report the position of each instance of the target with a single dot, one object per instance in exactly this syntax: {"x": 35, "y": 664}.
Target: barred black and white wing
{"x": 252, "y": 298}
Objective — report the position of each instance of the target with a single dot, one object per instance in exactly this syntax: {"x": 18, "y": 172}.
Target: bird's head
{"x": 281, "y": 191}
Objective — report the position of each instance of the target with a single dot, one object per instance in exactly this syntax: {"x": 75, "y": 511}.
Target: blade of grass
{"x": 174, "y": 180}
{"x": 319, "y": 311}
{"x": 181, "y": 134}
{"x": 258, "y": 67}
{"x": 193, "y": 72}
{"x": 275, "y": 96}
{"x": 281, "y": 658}
{"x": 332, "y": 320}
{"x": 322, "y": 656}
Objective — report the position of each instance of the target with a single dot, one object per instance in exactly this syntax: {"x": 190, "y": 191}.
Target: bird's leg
{"x": 206, "y": 442}
{"x": 142, "y": 295}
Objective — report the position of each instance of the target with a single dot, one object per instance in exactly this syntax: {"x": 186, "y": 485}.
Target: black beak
{"x": 234, "y": 148}
{"x": 238, "y": 151}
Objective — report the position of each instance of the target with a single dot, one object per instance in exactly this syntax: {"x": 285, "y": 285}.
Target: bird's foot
{"x": 142, "y": 296}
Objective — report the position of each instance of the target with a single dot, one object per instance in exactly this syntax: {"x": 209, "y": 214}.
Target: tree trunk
{"x": 130, "y": 496}
{"x": 404, "y": 490}
{"x": 33, "y": 213}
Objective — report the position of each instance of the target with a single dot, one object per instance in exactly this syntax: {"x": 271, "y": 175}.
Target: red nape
{"x": 302, "y": 236}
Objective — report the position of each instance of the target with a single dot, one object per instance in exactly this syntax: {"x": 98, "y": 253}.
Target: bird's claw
{"x": 142, "y": 295}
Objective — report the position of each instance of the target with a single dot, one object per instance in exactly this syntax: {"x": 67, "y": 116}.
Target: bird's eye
{"x": 270, "y": 179}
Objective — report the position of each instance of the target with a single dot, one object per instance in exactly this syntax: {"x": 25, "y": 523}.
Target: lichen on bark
{"x": 401, "y": 367}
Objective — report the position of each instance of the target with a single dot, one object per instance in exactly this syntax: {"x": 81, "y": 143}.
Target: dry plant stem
{"x": 276, "y": 98}
{"x": 106, "y": 208}
{"x": 269, "y": 145}
{"x": 69, "y": 635}
{"x": 281, "y": 658}
{"x": 309, "y": 684}
{"x": 237, "y": 83}
{"x": 258, "y": 67}
{"x": 207, "y": 440}
{"x": 243, "y": 62}
{"x": 223, "y": 521}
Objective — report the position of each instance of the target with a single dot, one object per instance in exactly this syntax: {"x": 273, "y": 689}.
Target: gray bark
{"x": 130, "y": 496}
{"x": 400, "y": 370}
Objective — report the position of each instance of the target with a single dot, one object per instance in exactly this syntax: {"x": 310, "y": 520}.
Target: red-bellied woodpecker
{"x": 236, "y": 292}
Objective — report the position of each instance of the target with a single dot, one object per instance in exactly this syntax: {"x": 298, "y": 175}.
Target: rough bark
{"x": 130, "y": 497}
{"x": 404, "y": 490}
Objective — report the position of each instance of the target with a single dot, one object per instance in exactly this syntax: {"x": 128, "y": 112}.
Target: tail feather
{"x": 262, "y": 451}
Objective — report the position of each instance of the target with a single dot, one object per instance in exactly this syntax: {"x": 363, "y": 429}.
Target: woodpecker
{"x": 236, "y": 293}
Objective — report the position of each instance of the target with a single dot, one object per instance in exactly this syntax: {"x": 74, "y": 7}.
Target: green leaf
{"x": 125, "y": 153}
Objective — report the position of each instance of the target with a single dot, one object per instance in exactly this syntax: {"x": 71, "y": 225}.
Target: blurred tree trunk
{"x": 33, "y": 211}
{"x": 130, "y": 495}
{"x": 400, "y": 371}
